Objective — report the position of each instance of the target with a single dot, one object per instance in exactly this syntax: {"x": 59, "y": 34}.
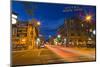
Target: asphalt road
{"x": 36, "y": 56}
{"x": 52, "y": 54}
{"x": 73, "y": 54}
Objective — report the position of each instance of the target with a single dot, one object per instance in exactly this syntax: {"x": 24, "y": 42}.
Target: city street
{"x": 35, "y": 56}
{"x": 52, "y": 54}
{"x": 73, "y": 54}
{"x": 53, "y": 34}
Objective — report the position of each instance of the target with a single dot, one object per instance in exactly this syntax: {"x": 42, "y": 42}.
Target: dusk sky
{"x": 50, "y": 15}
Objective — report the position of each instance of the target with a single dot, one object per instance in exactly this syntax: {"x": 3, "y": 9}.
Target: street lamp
{"x": 38, "y": 23}
{"x": 59, "y": 36}
{"x": 88, "y": 17}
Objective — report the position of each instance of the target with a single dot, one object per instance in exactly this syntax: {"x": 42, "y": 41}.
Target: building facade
{"x": 24, "y": 34}
{"x": 78, "y": 33}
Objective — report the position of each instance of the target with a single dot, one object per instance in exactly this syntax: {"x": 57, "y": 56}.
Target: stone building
{"x": 24, "y": 34}
{"x": 77, "y": 32}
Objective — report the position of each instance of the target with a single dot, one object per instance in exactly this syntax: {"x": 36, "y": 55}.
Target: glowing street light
{"x": 38, "y": 23}
{"x": 59, "y": 36}
{"x": 88, "y": 17}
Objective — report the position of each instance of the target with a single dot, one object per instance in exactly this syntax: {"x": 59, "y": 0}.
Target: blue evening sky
{"x": 50, "y": 15}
